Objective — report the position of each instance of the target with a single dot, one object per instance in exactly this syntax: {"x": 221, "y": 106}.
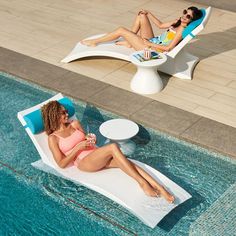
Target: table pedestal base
{"x": 146, "y": 80}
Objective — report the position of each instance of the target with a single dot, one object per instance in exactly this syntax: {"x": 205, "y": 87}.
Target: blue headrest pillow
{"x": 34, "y": 120}
{"x": 193, "y": 24}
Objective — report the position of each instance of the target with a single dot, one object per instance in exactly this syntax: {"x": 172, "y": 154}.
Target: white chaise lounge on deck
{"x": 179, "y": 62}
{"x": 125, "y": 191}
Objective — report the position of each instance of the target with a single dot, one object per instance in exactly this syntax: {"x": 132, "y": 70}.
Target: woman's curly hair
{"x": 51, "y": 116}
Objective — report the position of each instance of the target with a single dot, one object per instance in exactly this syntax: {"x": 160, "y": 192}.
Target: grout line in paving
{"x": 151, "y": 101}
{"x": 180, "y": 134}
{"x": 111, "y": 72}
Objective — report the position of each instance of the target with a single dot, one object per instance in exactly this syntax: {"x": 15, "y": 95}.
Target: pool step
{"x": 219, "y": 219}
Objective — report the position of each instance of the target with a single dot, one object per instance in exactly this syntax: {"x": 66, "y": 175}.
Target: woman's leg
{"x": 102, "y": 157}
{"x": 155, "y": 184}
{"x": 134, "y": 40}
{"x": 142, "y": 25}
{"x": 159, "y": 188}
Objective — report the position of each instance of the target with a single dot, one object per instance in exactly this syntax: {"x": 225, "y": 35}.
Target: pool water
{"x": 38, "y": 203}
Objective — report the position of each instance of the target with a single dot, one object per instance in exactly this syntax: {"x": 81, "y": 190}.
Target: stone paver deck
{"x": 177, "y": 122}
{"x": 45, "y": 32}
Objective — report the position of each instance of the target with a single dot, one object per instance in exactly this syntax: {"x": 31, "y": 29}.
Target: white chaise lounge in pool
{"x": 125, "y": 192}
{"x": 179, "y": 62}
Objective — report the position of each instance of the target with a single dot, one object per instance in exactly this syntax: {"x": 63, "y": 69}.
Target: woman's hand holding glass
{"x": 90, "y": 141}
{"x": 87, "y": 143}
{"x": 91, "y": 138}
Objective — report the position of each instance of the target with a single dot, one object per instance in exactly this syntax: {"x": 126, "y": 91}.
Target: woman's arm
{"x": 76, "y": 124}
{"x": 167, "y": 25}
{"x": 156, "y": 21}
{"x": 59, "y": 157}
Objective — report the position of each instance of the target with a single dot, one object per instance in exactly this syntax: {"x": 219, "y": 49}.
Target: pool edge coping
{"x": 176, "y": 122}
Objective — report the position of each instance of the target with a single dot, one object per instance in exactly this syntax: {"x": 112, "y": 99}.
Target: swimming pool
{"x": 38, "y": 203}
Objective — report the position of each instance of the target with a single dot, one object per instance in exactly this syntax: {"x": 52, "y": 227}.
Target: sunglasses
{"x": 187, "y": 15}
{"x": 64, "y": 112}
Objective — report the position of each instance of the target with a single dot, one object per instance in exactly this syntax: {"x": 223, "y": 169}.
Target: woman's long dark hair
{"x": 197, "y": 14}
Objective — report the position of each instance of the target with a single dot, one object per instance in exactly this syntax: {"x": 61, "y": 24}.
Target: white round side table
{"x": 147, "y": 80}
{"x": 120, "y": 131}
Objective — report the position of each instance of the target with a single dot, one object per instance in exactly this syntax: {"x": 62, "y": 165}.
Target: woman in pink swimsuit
{"x": 69, "y": 145}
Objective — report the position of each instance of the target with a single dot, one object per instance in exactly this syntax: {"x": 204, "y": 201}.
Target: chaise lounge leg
{"x": 181, "y": 66}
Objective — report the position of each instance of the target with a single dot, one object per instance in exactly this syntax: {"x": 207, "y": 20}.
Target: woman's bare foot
{"x": 161, "y": 191}
{"x": 170, "y": 198}
{"x": 89, "y": 43}
{"x": 148, "y": 190}
{"x": 123, "y": 43}
{"x": 157, "y": 192}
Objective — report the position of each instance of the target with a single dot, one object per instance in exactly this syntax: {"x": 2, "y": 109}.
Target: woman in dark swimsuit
{"x": 141, "y": 34}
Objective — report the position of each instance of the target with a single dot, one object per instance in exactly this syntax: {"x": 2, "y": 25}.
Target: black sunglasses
{"x": 187, "y": 15}
{"x": 64, "y": 112}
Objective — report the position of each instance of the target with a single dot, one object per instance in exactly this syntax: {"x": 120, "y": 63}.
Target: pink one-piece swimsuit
{"x": 67, "y": 144}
